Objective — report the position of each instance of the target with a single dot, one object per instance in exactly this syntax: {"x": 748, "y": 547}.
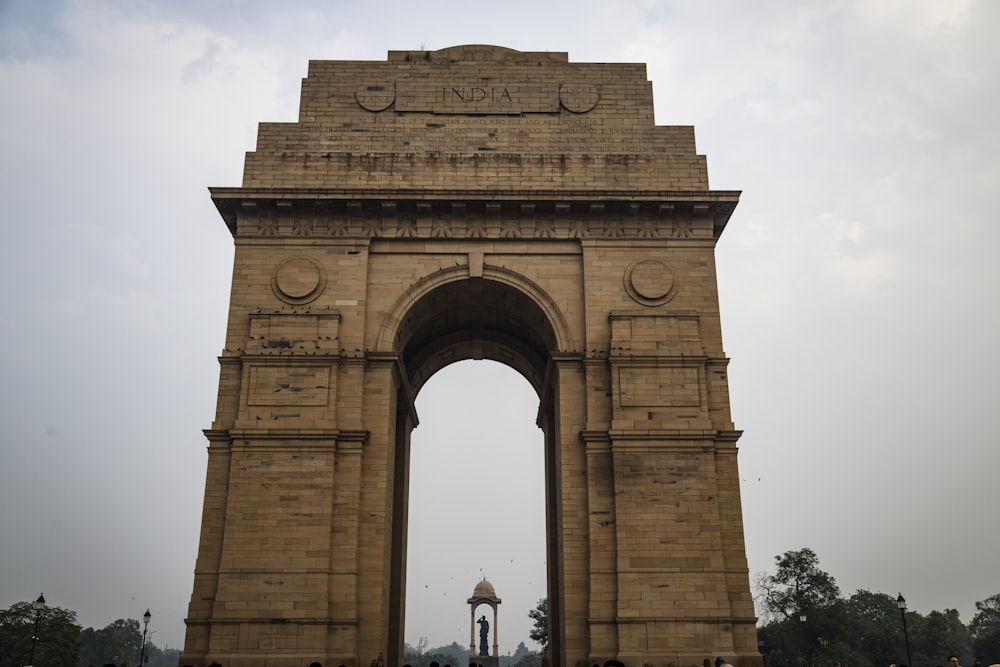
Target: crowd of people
{"x": 722, "y": 662}
{"x": 952, "y": 662}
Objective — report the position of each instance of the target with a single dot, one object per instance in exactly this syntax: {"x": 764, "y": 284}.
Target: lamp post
{"x": 145, "y": 625}
{"x": 901, "y": 603}
{"x": 39, "y": 605}
{"x": 802, "y": 635}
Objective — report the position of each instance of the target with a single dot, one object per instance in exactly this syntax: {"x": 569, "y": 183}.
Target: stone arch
{"x": 544, "y": 315}
{"x": 579, "y": 239}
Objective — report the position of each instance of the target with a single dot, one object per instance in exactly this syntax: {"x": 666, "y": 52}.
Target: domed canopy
{"x": 484, "y": 592}
{"x": 484, "y": 589}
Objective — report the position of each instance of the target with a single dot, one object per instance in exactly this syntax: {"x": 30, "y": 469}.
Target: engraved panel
{"x": 291, "y": 333}
{"x": 288, "y": 386}
{"x": 476, "y": 97}
{"x": 659, "y": 387}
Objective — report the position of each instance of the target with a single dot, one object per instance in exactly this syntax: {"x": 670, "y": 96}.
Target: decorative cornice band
{"x": 402, "y": 214}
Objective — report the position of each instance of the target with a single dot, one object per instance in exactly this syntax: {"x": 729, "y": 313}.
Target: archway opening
{"x": 476, "y": 505}
{"x": 449, "y": 319}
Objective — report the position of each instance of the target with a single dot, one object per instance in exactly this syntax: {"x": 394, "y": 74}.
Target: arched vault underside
{"x": 475, "y": 318}
{"x": 472, "y": 203}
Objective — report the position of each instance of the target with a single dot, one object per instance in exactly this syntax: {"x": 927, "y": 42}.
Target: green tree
{"x": 453, "y": 654}
{"x": 806, "y": 622}
{"x": 985, "y": 630}
{"x": 166, "y": 657}
{"x": 540, "y": 632}
{"x": 778, "y": 643}
{"x": 826, "y": 632}
{"x": 798, "y": 585}
{"x": 936, "y": 636}
{"x": 525, "y": 658}
{"x": 875, "y": 630}
{"x": 58, "y": 636}
{"x": 118, "y": 642}
{"x": 804, "y": 606}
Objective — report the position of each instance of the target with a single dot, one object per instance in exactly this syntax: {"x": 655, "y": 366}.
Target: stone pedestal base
{"x": 484, "y": 661}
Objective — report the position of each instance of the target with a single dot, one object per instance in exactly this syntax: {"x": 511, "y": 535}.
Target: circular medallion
{"x": 649, "y": 282}
{"x": 376, "y": 96}
{"x": 298, "y": 280}
{"x": 579, "y": 99}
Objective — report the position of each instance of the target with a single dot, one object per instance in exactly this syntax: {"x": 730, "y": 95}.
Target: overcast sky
{"x": 858, "y": 281}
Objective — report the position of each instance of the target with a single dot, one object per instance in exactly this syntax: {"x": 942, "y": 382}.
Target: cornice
{"x": 475, "y": 214}
{"x": 695, "y": 437}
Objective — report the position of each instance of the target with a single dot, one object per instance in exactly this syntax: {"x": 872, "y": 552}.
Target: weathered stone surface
{"x": 473, "y": 202}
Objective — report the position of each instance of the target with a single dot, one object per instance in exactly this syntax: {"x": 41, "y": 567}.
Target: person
{"x": 953, "y": 661}
{"x": 721, "y": 662}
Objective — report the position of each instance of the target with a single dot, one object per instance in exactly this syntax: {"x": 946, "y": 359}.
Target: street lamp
{"x": 802, "y": 637}
{"x": 145, "y": 624}
{"x": 901, "y": 603}
{"x": 39, "y": 605}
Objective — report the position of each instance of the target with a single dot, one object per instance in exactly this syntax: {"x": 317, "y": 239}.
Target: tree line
{"x": 50, "y": 636}
{"x": 805, "y": 621}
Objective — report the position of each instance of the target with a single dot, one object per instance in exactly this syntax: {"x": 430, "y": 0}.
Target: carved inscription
{"x": 476, "y": 97}
{"x": 297, "y": 283}
{"x": 474, "y": 94}
{"x": 294, "y": 334}
{"x": 288, "y": 386}
{"x": 506, "y": 126}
